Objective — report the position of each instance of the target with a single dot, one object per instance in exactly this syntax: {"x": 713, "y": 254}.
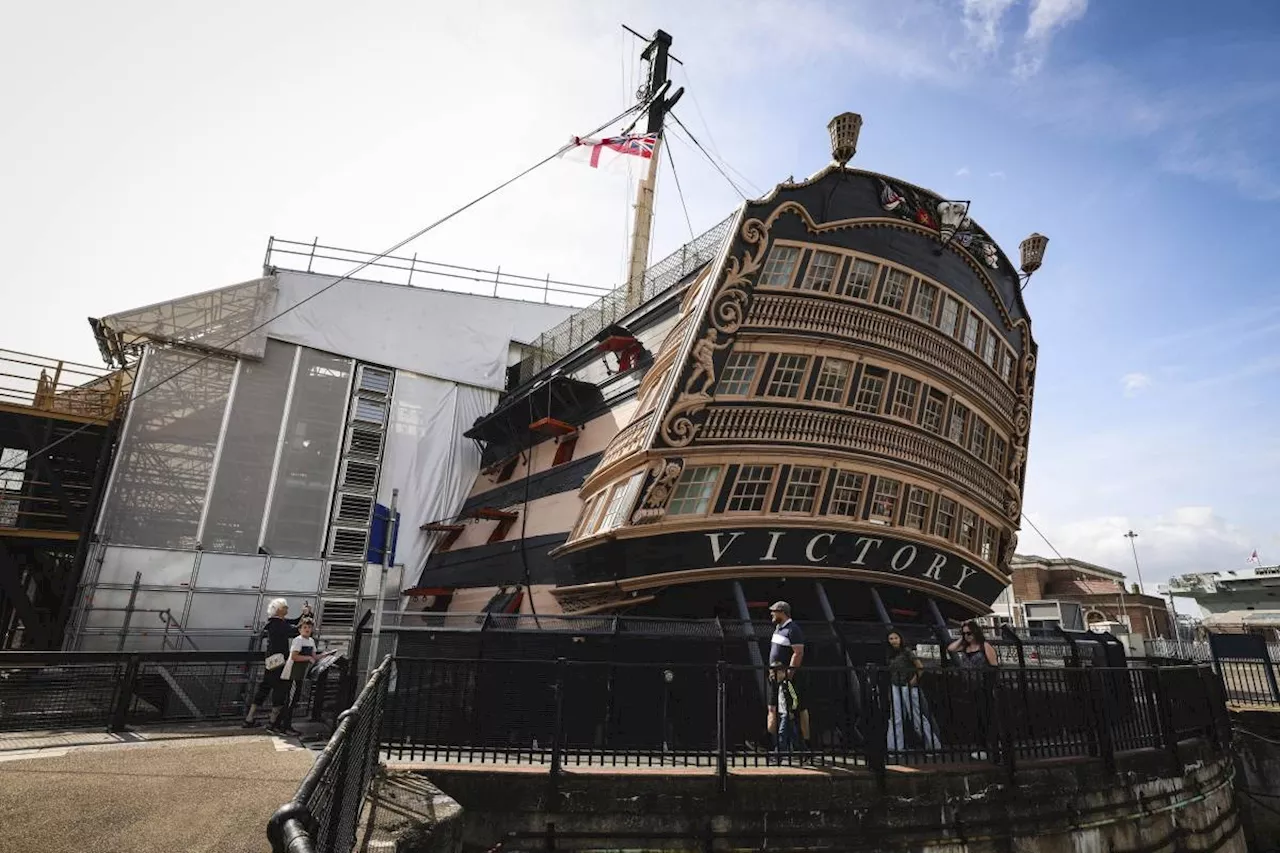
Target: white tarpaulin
{"x": 427, "y": 458}
{"x": 460, "y": 337}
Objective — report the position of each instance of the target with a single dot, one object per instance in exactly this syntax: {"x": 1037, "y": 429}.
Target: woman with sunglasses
{"x": 972, "y": 647}
{"x": 976, "y": 655}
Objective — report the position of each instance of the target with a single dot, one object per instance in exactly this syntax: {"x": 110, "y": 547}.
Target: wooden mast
{"x": 657, "y": 54}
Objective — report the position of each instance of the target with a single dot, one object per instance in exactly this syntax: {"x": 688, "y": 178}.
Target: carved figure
{"x": 703, "y": 357}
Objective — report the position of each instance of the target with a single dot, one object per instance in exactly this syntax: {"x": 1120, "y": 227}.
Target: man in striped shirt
{"x": 786, "y": 651}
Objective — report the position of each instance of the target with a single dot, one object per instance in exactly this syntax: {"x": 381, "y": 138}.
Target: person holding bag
{"x": 278, "y": 631}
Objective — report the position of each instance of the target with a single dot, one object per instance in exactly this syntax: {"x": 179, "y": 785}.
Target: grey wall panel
{"x": 149, "y": 642}
{"x": 222, "y": 611}
{"x": 166, "y": 457}
{"x": 230, "y": 571}
{"x": 286, "y": 575}
{"x": 231, "y": 641}
{"x": 107, "y": 608}
{"x": 159, "y": 568}
{"x": 234, "y": 519}
{"x": 313, "y": 435}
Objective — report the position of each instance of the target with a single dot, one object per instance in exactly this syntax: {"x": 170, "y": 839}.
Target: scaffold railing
{"x": 318, "y": 259}
{"x": 57, "y": 386}
{"x": 583, "y": 326}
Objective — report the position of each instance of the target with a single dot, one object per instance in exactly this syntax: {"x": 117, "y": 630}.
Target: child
{"x": 789, "y": 710}
{"x": 278, "y": 631}
{"x": 302, "y": 653}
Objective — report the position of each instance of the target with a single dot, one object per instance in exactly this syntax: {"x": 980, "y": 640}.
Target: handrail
{"x": 60, "y": 386}
{"x": 295, "y": 827}
{"x": 1097, "y": 712}
{"x": 166, "y": 616}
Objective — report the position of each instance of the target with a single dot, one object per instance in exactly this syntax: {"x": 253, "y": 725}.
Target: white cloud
{"x": 1178, "y": 541}
{"x": 982, "y": 20}
{"x": 1047, "y": 18}
{"x": 996, "y": 174}
{"x": 1133, "y": 383}
{"x": 963, "y": 171}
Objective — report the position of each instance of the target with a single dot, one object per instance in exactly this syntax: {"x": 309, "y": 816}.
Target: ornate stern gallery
{"x": 833, "y": 409}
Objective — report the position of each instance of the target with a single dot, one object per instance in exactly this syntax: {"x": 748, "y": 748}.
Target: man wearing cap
{"x": 786, "y": 651}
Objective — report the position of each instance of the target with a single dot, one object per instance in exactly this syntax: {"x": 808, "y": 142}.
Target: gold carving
{"x": 704, "y": 366}
{"x": 578, "y": 602}
{"x": 728, "y": 310}
{"x": 653, "y": 507}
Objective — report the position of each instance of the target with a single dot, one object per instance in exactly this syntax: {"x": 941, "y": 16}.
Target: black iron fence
{"x": 114, "y": 690}
{"x": 566, "y": 713}
{"x": 1247, "y": 669}
{"x": 324, "y": 815}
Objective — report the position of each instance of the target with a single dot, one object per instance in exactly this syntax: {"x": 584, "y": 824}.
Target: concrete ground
{"x": 153, "y": 792}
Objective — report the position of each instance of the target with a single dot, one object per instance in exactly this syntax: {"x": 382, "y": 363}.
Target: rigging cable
{"x": 707, "y": 154}
{"x": 364, "y": 264}
{"x": 524, "y": 512}
{"x": 1042, "y": 536}
{"x": 715, "y": 149}
{"x": 680, "y": 191}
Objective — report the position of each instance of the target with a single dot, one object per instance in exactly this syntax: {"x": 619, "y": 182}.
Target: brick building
{"x": 1099, "y": 591}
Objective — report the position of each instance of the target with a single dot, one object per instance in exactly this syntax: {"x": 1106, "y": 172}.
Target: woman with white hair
{"x": 278, "y": 631}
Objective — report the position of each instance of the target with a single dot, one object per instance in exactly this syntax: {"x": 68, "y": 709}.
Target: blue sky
{"x": 151, "y": 149}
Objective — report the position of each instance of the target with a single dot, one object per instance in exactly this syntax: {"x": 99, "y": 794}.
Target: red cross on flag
{"x": 614, "y": 151}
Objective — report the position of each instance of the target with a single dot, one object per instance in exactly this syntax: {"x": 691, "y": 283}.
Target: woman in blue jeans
{"x": 907, "y": 701}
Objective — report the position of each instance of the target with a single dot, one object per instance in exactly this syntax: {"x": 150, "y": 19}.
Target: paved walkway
{"x": 156, "y": 791}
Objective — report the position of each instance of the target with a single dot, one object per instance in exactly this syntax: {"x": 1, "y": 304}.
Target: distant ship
{"x": 1235, "y": 600}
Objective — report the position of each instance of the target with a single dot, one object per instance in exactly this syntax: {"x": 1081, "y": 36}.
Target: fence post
{"x": 1004, "y": 726}
{"x": 1098, "y": 693}
{"x": 557, "y": 747}
{"x": 722, "y": 736}
{"x": 120, "y": 714}
{"x": 1216, "y": 702}
{"x": 1164, "y": 713}
{"x": 1269, "y": 667}
{"x": 875, "y": 740}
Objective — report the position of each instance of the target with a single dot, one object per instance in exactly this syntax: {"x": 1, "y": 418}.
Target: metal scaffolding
{"x": 57, "y": 426}
{"x": 228, "y": 320}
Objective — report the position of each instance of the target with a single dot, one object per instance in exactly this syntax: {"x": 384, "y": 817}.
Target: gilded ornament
{"x": 653, "y": 506}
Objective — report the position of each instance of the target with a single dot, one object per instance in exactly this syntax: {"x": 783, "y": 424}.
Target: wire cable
{"x": 1042, "y": 536}
{"x": 363, "y": 265}
{"x": 716, "y": 158}
{"x": 697, "y": 107}
{"x": 715, "y": 149}
{"x": 680, "y": 191}
{"x": 707, "y": 154}
{"x": 524, "y": 516}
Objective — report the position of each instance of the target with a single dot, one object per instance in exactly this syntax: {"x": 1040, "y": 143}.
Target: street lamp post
{"x": 1131, "y": 536}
